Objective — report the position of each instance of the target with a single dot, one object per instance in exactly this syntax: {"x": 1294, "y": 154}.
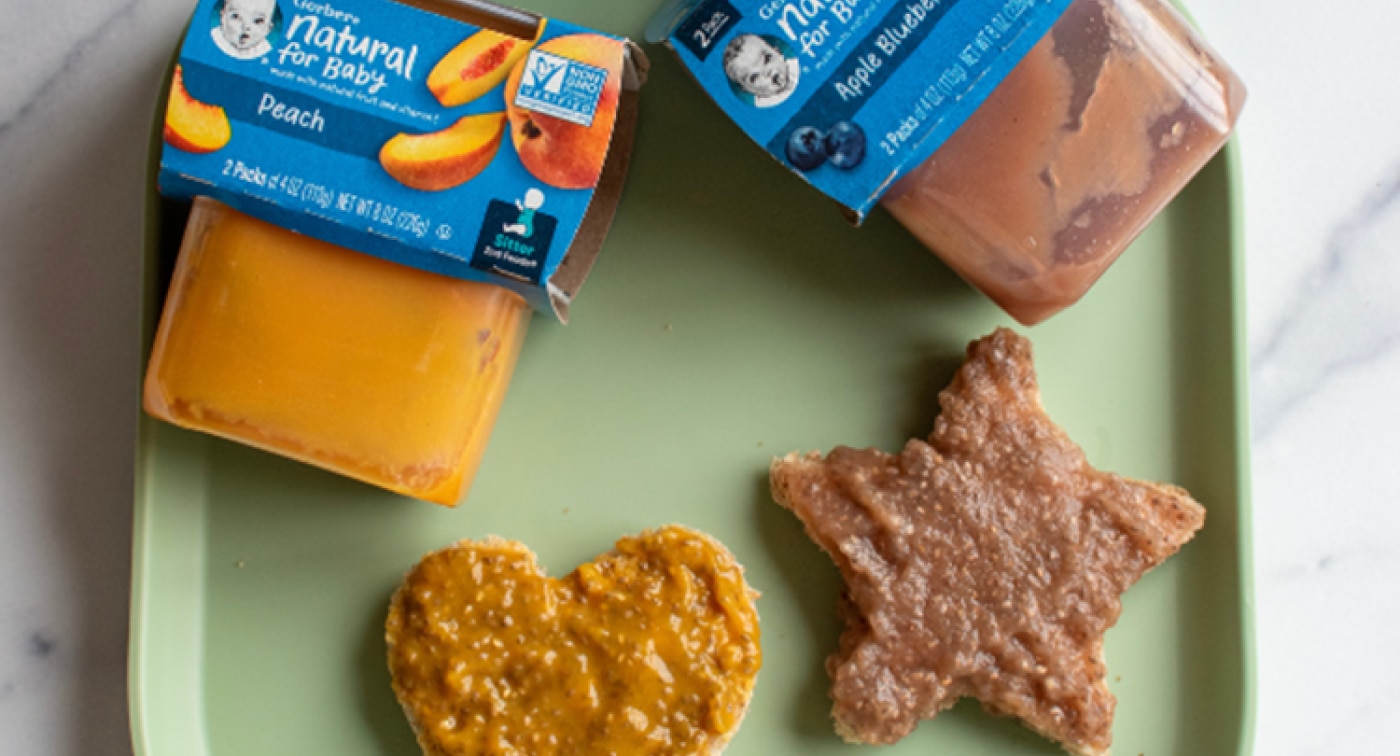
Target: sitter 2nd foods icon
{"x": 383, "y": 128}
{"x": 515, "y": 238}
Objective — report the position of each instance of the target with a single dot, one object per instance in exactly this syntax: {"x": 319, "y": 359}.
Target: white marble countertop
{"x": 1321, "y": 156}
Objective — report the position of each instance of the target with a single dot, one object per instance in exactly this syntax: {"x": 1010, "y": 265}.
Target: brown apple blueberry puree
{"x": 650, "y": 649}
{"x": 1087, "y": 139}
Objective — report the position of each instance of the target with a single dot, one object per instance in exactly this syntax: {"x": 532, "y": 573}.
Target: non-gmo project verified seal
{"x": 514, "y": 239}
{"x": 562, "y": 87}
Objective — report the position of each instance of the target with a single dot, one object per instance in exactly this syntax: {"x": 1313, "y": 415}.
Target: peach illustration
{"x": 560, "y": 153}
{"x": 476, "y": 66}
{"x": 447, "y": 158}
{"x": 191, "y": 125}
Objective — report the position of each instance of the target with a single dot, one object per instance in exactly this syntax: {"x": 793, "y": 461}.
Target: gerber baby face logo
{"x": 762, "y": 70}
{"x": 561, "y": 87}
{"x": 515, "y": 238}
{"x": 246, "y": 29}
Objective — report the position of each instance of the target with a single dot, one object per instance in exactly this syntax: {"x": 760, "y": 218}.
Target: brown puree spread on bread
{"x": 985, "y": 562}
{"x": 650, "y": 649}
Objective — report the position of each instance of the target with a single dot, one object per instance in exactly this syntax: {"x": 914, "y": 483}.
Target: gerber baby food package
{"x": 1026, "y": 142}
{"x": 382, "y": 193}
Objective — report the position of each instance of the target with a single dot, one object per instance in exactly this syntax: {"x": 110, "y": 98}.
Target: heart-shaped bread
{"x": 652, "y": 648}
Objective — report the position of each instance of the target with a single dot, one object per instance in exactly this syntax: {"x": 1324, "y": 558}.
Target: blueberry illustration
{"x": 806, "y": 148}
{"x": 845, "y": 145}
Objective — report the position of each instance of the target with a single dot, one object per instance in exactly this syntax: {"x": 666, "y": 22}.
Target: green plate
{"x": 733, "y": 316}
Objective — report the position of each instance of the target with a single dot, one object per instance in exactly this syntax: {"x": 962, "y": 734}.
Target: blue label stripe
{"x": 345, "y": 130}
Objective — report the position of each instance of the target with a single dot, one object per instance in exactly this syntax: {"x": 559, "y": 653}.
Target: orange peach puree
{"x": 374, "y": 370}
{"x": 650, "y": 649}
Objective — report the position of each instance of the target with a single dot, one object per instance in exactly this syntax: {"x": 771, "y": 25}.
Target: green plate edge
{"x": 183, "y": 719}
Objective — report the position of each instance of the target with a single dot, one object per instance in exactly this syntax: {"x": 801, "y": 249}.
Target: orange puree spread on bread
{"x": 650, "y": 649}
{"x": 374, "y": 370}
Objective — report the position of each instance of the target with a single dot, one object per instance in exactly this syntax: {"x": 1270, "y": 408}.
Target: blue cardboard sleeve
{"x": 319, "y": 116}
{"x": 852, "y": 94}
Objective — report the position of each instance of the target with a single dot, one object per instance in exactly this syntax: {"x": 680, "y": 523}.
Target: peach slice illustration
{"x": 558, "y": 152}
{"x": 447, "y": 158}
{"x": 476, "y": 66}
{"x": 191, "y": 125}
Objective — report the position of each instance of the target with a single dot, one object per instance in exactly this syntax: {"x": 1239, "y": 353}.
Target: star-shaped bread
{"x": 987, "y": 561}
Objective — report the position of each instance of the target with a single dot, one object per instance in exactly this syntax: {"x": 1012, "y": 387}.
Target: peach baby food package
{"x": 1026, "y": 142}
{"x": 461, "y": 138}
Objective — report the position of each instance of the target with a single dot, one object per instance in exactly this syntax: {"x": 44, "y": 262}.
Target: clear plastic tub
{"x": 374, "y": 370}
{"x": 1088, "y": 138}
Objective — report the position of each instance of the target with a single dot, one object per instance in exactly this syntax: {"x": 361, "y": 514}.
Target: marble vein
{"x": 1375, "y": 559}
{"x": 1345, "y": 315}
{"x": 66, "y": 67}
{"x": 40, "y": 645}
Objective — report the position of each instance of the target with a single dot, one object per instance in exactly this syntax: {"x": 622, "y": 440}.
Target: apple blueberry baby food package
{"x": 1026, "y": 142}
{"x": 457, "y": 137}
